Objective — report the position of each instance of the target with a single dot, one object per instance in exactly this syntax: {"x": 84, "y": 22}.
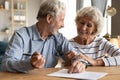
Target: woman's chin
{"x": 84, "y": 35}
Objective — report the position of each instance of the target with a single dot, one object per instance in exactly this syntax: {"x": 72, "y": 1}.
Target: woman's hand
{"x": 77, "y": 67}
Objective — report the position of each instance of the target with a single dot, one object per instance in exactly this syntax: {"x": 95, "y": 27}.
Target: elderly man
{"x": 40, "y": 45}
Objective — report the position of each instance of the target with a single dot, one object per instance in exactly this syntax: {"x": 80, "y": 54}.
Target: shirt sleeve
{"x": 63, "y": 45}
{"x": 112, "y": 61}
{"x": 12, "y": 59}
{"x": 113, "y": 53}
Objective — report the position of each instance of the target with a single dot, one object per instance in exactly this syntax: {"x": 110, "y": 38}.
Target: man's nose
{"x": 62, "y": 25}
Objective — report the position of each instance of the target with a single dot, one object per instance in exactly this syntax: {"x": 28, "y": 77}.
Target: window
{"x": 69, "y": 30}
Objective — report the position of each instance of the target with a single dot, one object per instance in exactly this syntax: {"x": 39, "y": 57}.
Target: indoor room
{"x": 18, "y": 14}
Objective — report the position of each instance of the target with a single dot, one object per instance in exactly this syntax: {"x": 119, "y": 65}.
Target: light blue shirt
{"x": 27, "y": 40}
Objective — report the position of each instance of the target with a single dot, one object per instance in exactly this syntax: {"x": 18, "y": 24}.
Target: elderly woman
{"x": 96, "y": 50}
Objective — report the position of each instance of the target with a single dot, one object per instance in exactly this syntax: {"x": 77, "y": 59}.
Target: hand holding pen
{"x": 37, "y": 60}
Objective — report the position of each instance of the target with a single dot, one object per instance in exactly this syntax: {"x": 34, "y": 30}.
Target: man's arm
{"x": 65, "y": 46}
{"x": 12, "y": 59}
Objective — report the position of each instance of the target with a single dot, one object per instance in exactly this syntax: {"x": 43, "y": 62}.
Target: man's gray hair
{"x": 93, "y": 13}
{"x": 52, "y": 7}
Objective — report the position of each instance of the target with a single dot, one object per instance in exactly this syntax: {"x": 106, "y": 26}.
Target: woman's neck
{"x": 85, "y": 40}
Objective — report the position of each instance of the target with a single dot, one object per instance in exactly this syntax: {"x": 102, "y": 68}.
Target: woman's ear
{"x": 49, "y": 18}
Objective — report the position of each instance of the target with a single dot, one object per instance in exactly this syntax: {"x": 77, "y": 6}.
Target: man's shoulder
{"x": 24, "y": 28}
{"x": 21, "y": 30}
{"x": 24, "y": 31}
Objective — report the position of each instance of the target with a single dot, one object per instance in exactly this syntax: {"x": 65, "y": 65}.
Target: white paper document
{"x": 85, "y": 75}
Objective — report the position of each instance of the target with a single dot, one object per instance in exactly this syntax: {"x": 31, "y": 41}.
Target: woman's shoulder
{"x": 71, "y": 40}
{"x": 100, "y": 38}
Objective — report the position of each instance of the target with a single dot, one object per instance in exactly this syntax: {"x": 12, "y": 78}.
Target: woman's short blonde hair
{"x": 52, "y": 7}
{"x": 93, "y": 13}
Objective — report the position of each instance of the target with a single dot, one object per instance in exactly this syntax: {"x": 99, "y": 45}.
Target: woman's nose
{"x": 84, "y": 27}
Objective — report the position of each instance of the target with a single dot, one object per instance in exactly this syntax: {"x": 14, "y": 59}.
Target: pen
{"x": 28, "y": 54}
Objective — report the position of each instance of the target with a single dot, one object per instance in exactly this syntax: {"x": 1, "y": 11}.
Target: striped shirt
{"x": 99, "y": 47}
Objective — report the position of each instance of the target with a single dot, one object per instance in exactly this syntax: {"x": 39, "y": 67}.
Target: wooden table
{"x": 113, "y": 74}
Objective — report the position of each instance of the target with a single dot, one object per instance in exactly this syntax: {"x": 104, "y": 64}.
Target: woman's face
{"x": 85, "y": 27}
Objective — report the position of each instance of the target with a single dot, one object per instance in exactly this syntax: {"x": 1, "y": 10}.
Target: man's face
{"x": 58, "y": 22}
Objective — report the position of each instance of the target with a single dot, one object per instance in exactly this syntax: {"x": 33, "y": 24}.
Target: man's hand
{"x": 69, "y": 56}
{"x": 77, "y": 67}
{"x": 37, "y": 60}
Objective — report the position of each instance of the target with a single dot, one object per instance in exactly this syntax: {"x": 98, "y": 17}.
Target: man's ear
{"x": 49, "y": 18}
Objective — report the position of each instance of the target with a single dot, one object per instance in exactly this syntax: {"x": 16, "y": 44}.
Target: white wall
{"x": 69, "y": 30}
{"x": 32, "y": 10}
